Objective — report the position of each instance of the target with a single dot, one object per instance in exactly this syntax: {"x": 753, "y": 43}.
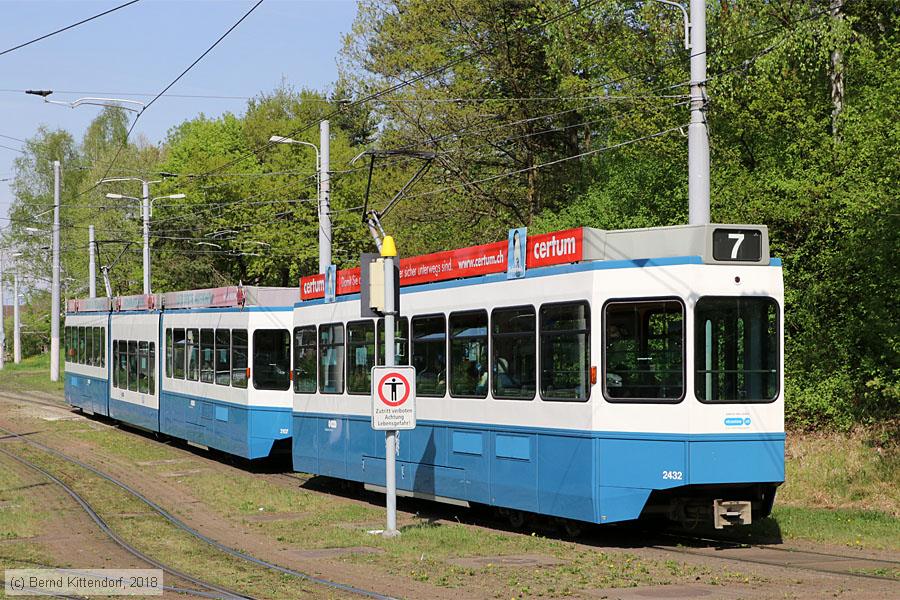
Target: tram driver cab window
{"x": 271, "y": 359}
{"x": 736, "y": 349}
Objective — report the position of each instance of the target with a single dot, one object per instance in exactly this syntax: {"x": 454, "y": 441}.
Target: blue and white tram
{"x": 211, "y": 367}
{"x": 644, "y": 375}
{"x": 227, "y": 372}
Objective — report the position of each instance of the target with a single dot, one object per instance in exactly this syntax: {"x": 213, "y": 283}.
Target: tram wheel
{"x": 516, "y": 519}
{"x": 571, "y": 529}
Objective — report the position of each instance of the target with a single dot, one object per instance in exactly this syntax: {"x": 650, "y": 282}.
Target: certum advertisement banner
{"x": 393, "y": 398}
{"x": 541, "y": 250}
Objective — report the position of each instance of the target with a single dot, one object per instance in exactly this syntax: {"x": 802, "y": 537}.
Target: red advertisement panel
{"x": 312, "y": 287}
{"x": 453, "y": 264}
{"x": 555, "y": 248}
{"x": 546, "y": 249}
{"x": 347, "y": 281}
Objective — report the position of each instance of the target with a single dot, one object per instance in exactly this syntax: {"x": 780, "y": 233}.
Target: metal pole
{"x": 145, "y": 212}
{"x": 390, "y": 437}
{"x": 698, "y": 134}
{"x": 324, "y": 197}
{"x": 17, "y": 336}
{"x": 54, "y": 300}
{"x": 92, "y": 264}
{"x": 2, "y": 319}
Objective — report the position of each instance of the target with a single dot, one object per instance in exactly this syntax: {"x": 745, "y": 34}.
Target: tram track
{"x": 693, "y": 545}
{"x": 184, "y": 527}
{"x": 217, "y": 591}
{"x": 709, "y": 547}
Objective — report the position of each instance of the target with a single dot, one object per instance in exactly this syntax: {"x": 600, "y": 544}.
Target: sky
{"x": 141, "y": 48}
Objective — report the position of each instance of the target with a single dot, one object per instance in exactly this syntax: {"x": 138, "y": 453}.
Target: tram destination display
{"x": 743, "y": 245}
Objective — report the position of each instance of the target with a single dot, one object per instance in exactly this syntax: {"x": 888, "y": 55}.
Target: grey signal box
{"x": 371, "y": 285}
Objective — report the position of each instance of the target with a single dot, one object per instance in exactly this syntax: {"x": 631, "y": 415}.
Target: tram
{"x": 620, "y": 374}
{"x": 211, "y": 367}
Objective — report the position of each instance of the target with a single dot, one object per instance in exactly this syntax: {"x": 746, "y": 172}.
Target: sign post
{"x": 393, "y": 391}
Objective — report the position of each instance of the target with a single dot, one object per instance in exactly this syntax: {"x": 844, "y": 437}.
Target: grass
{"x": 858, "y": 472}
{"x": 20, "y": 520}
{"x": 850, "y": 527}
{"x": 32, "y": 374}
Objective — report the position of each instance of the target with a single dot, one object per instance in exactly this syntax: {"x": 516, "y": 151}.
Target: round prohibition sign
{"x": 389, "y": 384}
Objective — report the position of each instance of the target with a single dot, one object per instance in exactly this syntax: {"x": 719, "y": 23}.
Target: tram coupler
{"x": 731, "y": 512}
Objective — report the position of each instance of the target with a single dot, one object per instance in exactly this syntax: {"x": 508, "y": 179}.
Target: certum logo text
{"x": 555, "y": 247}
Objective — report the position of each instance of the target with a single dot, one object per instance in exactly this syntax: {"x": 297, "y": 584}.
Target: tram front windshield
{"x": 736, "y": 349}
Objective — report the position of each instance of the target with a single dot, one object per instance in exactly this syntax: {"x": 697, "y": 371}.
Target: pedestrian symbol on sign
{"x": 393, "y": 383}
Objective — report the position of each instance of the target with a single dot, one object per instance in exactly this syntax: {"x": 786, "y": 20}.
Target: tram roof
{"x": 221, "y": 297}
{"x": 713, "y": 243}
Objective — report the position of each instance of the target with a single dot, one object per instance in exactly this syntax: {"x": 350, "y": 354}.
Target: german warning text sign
{"x": 393, "y": 398}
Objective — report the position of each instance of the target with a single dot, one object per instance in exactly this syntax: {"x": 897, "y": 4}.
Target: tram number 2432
{"x": 676, "y": 475}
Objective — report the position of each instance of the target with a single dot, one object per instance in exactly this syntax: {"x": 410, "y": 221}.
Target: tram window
{"x": 82, "y": 344}
{"x": 514, "y": 362}
{"x": 103, "y": 346}
{"x": 271, "y": 359}
{"x": 151, "y": 361}
{"x": 89, "y": 346}
{"x": 401, "y": 341}
{"x": 331, "y": 359}
{"x": 469, "y": 354}
{"x": 360, "y": 356}
{"x": 429, "y": 355}
{"x": 565, "y": 351}
{"x": 115, "y": 363}
{"x": 305, "y": 360}
{"x": 143, "y": 367}
{"x": 122, "y": 365}
{"x": 736, "y": 346}
{"x": 132, "y": 366}
{"x": 223, "y": 357}
{"x": 178, "y": 347}
{"x": 644, "y": 351}
{"x": 169, "y": 356}
{"x": 192, "y": 345}
{"x": 239, "y": 358}
{"x": 98, "y": 350}
{"x": 207, "y": 356}
{"x": 68, "y": 341}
